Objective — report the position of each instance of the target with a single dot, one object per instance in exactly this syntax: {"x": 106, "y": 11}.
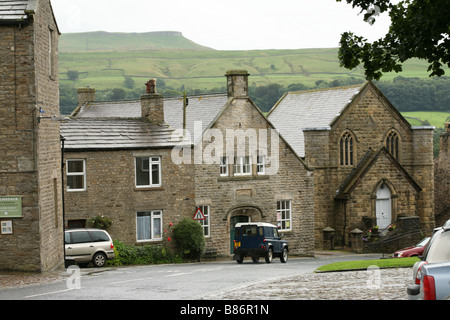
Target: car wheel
{"x": 284, "y": 256}
{"x": 269, "y": 255}
{"x": 99, "y": 259}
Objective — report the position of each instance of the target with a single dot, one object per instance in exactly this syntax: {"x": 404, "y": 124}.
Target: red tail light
{"x": 417, "y": 280}
{"x": 429, "y": 288}
{"x": 112, "y": 245}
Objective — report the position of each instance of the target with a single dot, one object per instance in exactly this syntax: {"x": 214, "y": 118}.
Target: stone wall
{"x": 29, "y": 148}
{"x": 111, "y": 191}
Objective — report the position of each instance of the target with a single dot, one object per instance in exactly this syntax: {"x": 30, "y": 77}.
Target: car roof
{"x": 84, "y": 229}
{"x": 259, "y": 224}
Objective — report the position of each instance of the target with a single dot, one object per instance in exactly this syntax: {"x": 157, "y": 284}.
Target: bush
{"x": 188, "y": 235}
{"x": 147, "y": 254}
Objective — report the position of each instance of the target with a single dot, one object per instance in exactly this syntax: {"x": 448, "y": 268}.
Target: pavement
{"x": 384, "y": 284}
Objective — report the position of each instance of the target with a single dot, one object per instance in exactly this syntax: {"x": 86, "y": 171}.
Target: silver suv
{"x": 88, "y": 245}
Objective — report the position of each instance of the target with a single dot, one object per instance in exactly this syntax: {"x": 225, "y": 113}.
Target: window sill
{"x": 243, "y": 178}
{"x": 148, "y": 188}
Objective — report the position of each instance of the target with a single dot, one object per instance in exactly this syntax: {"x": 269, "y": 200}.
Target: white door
{"x": 383, "y": 207}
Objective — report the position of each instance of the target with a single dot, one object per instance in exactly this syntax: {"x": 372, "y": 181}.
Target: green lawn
{"x": 364, "y": 264}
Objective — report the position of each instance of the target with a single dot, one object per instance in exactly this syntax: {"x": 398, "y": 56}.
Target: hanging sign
{"x": 199, "y": 215}
{"x": 11, "y": 207}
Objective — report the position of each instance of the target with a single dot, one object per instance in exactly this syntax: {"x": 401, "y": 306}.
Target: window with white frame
{"x": 205, "y": 223}
{"x": 76, "y": 174}
{"x": 284, "y": 215}
{"x": 224, "y": 166}
{"x": 261, "y": 165}
{"x": 148, "y": 171}
{"x": 242, "y": 166}
{"x": 149, "y": 225}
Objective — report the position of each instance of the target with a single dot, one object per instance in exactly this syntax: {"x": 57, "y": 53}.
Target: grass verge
{"x": 364, "y": 264}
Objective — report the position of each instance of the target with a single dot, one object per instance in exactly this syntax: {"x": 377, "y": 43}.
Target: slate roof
{"x": 111, "y": 134}
{"x": 118, "y": 124}
{"x": 13, "y": 11}
{"x": 313, "y": 109}
{"x": 201, "y": 108}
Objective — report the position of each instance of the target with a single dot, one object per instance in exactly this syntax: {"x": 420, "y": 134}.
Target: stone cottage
{"x": 30, "y": 152}
{"x": 371, "y": 168}
{"x": 149, "y": 163}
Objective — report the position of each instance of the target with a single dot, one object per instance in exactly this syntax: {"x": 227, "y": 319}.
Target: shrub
{"x": 100, "y": 222}
{"x": 126, "y": 254}
{"x": 188, "y": 235}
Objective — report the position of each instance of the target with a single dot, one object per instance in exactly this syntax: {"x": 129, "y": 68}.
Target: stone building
{"x": 30, "y": 153}
{"x": 150, "y": 163}
{"x": 371, "y": 168}
{"x": 442, "y": 178}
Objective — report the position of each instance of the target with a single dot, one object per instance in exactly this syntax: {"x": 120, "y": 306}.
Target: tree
{"x": 72, "y": 75}
{"x": 419, "y": 29}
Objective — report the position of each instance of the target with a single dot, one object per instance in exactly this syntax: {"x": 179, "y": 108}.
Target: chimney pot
{"x": 151, "y": 86}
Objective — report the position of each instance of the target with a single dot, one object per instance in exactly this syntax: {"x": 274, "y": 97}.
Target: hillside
{"x": 106, "y": 41}
{"x": 126, "y": 61}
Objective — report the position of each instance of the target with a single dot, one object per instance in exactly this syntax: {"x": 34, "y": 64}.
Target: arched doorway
{"x": 383, "y": 206}
{"x": 241, "y": 214}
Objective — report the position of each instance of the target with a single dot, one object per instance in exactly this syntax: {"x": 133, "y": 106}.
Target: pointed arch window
{"x": 347, "y": 149}
{"x": 393, "y": 143}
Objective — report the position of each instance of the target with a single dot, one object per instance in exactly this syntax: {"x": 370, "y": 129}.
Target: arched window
{"x": 393, "y": 143}
{"x": 347, "y": 149}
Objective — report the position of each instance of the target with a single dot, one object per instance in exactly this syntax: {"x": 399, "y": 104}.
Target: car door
{"x": 80, "y": 246}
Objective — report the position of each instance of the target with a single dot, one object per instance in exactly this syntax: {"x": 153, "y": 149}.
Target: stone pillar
{"x": 356, "y": 240}
{"x": 328, "y": 238}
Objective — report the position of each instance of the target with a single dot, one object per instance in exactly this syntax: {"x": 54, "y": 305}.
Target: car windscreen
{"x": 439, "y": 250}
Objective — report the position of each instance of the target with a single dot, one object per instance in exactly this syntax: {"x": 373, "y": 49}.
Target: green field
{"x": 434, "y": 118}
{"x": 104, "y": 60}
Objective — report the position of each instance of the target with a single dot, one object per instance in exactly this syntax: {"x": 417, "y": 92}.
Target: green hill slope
{"x": 106, "y": 41}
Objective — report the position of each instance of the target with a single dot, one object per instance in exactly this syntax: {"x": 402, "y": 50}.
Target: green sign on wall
{"x": 11, "y": 207}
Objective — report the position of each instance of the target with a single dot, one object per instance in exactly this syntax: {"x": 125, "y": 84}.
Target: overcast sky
{"x": 224, "y": 24}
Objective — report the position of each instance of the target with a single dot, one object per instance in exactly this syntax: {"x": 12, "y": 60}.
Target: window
{"x": 224, "y": 166}
{"x": 148, "y": 171}
{"x": 392, "y": 143}
{"x": 346, "y": 149}
{"x": 261, "y": 165}
{"x": 205, "y": 223}
{"x": 76, "y": 175}
{"x": 242, "y": 166}
{"x": 284, "y": 216}
{"x": 149, "y": 225}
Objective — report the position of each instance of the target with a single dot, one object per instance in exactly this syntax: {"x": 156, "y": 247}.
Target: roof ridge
{"x": 328, "y": 89}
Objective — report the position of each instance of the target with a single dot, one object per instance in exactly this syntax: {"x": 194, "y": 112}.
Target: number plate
{"x": 237, "y": 244}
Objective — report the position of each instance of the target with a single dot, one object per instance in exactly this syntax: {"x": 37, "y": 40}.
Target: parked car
{"x": 259, "y": 239}
{"x": 428, "y": 272}
{"x": 84, "y": 246}
{"x": 414, "y": 251}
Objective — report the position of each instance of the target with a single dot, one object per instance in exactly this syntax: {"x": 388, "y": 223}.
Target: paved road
{"x": 194, "y": 281}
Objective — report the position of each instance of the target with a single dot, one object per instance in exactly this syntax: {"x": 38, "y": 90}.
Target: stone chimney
{"x": 85, "y": 95}
{"x": 152, "y": 104}
{"x": 237, "y": 83}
